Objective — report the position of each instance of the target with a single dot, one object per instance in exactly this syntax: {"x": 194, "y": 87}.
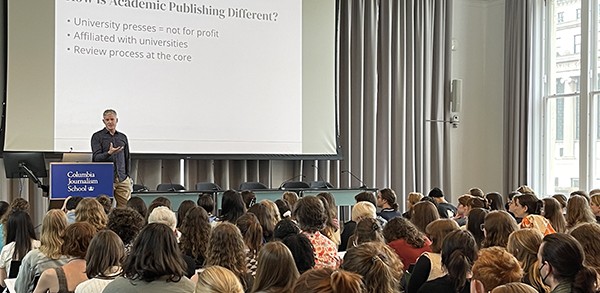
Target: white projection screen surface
{"x": 251, "y": 77}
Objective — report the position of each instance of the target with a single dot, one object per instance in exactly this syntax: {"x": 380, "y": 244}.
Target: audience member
{"x": 476, "y": 191}
{"x": 273, "y": 210}
{"x": 310, "y": 213}
{"x": 494, "y": 267}
{"x": 588, "y": 235}
{"x": 413, "y": 198}
{"x": 91, "y": 211}
{"x": 138, "y": 205}
{"x": 47, "y": 256}
{"x": 207, "y": 202}
{"x": 328, "y": 280}
{"x": 285, "y": 228}
{"x": 578, "y": 212}
{"x": 461, "y": 210}
{"x": 20, "y": 239}
{"x": 302, "y": 251}
{"x": 459, "y": 252}
{"x": 232, "y": 207}
{"x": 75, "y": 244}
{"x": 595, "y": 206}
{"x": 366, "y": 196}
{"x": 475, "y": 202}
{"x": 529, "y": 208}
{"x": 474, "y": 223}
{"x": 226, "y": 249}
{"x": 184, "y": 207}
{"x": 561, "y": 265}
{"x": 217, "y": 279}
{"x": 4, "y": 206}
{"x": 106, "y": 203}
{"x": 155, "y": 264}
{"x": 127, "y": 223}
{"x": 332, "y": 225}
{"x": 379, "y": 266}
{"x": 580, "y": 193}
{"x": 386, "y": 200}
{"x": 102, "y": 262}
{"x": 249, "y": 198}
{"x": 562, "y": 199}
{"x": 253, "y": 239}
{"x": 406, "y": 240}
{"x": 495, "y": 200}
{"x": 265, "y": 219}
{"x": 514, "y": 287}
{"x": 361, "y": 210}
{"x": 524, "y": 245}
{"x": 291, "y": 198}
{"x": 284, "y": 209}
{"x": 445, "y": 209}
{"x": 276, "y": 270}
{"x": 367, "y": 230}
{"x": 424, "y": 213}
{"x": 497, "y": 226}
{"x": 69, "y": 207}
{"x": 195, "y": 233}
{"x": 429, "y": 264}
{"x": 552, "y": 211}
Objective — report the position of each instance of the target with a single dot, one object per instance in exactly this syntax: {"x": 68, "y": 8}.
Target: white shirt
{"x": 8, "y": 251}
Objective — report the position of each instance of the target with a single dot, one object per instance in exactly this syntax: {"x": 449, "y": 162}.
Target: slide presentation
{"x": 185, "y": 76}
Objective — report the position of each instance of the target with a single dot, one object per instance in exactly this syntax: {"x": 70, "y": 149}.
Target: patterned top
{"x": 325, "y": 251}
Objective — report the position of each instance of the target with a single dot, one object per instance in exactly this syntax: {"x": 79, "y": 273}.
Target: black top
{"x": 101, "y": 141}
{"x": 419, "y": 275}
{"x": 446, "y": 210}
{"x": 389, "y": 214}
{"x": 349, "y": 228}
{"x": 443, "y": 285}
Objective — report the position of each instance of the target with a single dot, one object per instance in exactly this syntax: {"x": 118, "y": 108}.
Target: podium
{"x": 81, "y": 179}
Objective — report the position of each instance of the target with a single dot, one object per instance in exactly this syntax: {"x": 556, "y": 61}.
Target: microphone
{"x": 170, "y": 181}
{"x": 325, "y": 183}
{"x": 290, "y": 179}
{"x": 355, "y": 177}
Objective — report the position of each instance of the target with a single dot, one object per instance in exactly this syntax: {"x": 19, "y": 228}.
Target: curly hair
{"x": 251, "y": 232}
{"x": 310, "y": 213}
{"x": 495, "y": 266}
{"x": 226, "y": 249}
{"x": 401, "y": 228}
{"x": 126, "y": 222}
{"x": 290, "y": 197}
{"x": 77, "y": 237}
{"x": 106, "y": 202}
{"x": 285, "y": 228}
{"x": 55, "y": 221}
{"x": 155, "y": 254}
{"x": 302, "y": 250}
{"x": 379, "y": 266}
{"x": 91, "y": 211}
{"x": 195, "y": 233}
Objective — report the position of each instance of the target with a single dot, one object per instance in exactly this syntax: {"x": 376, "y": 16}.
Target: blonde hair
{"x": 414, "y": 197}
{"x": 53, "y": 225}
{"x": 495, "y": 266}
{"x": 217, "y": 279}
{"x": 362, "y": 210}
{"x": 326, "y": 280}
{"x": 273, "y": 210}
{"x": 515, "y": 287}
{"x": 91, "y": 211}
{"x": 163, "y": 215}
{"x": 595, "y": 199}
{"x": 524, "y": 245}
{"x": 578, "y": 211}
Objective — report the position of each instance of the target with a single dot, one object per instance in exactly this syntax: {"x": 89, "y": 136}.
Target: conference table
{"x": 344, "y": 197}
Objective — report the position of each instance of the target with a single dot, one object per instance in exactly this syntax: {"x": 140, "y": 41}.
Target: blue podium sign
{"x": 81, "y": 179}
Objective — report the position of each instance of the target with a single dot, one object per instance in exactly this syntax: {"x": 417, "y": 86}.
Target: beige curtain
{"x": 393, "y": 75}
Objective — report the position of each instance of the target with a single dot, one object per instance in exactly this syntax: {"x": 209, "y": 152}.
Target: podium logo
{"x": 91, "y": 188}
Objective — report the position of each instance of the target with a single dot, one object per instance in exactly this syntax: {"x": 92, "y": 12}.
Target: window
{"x": 560, "y": 18}
{"x": 578, "y": 14}
{"x": 560, "y": 120}
{"x": 576, "y": 44}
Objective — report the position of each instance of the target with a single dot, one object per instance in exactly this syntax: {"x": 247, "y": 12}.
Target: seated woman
{"x": 495, "y": 267}
{"x": 103, "y": 262}
{"x": 276, "y": 270}
{"x": 20, "y": 239}
{"x": 154, "y": 265}
{"x": 329, "y": 280}
{"x": 496, "y": 227}
{"x": 367, "y": 230}
{"x": 361, "y": 210}
{"x": 48, "y": 255}
{"x": 406, "y": 240}
{"x": 524, "y": 245}
{"x": 528, "y": 207}
{"x": 561, "y": 266}
{"x": 379, "y": 266}
{"x": 459, "y": 252}
{"x": 217, "y": 279}
{"x": 76, "y": 240}
{"x": 195, "y": 231}
{"x": 226, "y": 249}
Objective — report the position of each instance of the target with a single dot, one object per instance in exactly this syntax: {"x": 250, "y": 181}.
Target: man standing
{"x": 109, "y": 145}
